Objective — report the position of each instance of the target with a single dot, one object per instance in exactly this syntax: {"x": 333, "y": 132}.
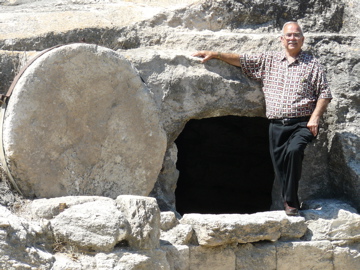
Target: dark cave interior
{"x": 224, "y": 166}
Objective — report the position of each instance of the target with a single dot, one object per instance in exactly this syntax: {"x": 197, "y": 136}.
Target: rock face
{"x": 87, "y": 127}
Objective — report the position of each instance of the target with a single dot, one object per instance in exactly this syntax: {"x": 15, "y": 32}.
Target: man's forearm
{"x": 321, "y": 106}
{"x": 230, "y": 58}
{"x": 314, "y": 121}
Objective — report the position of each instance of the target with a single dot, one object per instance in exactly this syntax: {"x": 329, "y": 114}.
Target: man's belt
{"x": 290, "y": 121}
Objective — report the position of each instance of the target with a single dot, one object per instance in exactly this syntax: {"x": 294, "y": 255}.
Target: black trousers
{"x": 288, "y": 141}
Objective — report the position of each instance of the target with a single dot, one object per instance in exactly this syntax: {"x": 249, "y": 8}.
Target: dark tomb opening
{"x": 224, "y": 165}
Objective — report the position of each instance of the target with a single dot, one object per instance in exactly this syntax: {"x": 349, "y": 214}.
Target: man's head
{"x": 292, "y": 38}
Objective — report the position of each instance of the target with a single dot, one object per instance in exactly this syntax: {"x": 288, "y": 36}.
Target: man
{"x": 296, "y": 96}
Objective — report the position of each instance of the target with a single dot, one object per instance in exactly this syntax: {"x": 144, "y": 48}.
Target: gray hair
{"x": 292, "y": 22}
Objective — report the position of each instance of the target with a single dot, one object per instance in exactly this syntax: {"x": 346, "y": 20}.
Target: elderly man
{"x": 296, "y": 96}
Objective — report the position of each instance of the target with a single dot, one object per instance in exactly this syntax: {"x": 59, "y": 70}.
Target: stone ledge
{"x": 217, "y": 230}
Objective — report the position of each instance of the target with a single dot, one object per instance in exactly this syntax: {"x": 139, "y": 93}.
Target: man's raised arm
{"x": 230, "y": 58}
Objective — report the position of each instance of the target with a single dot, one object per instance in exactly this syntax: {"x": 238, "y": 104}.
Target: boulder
{"x": 81, "y": 122}
{"x": 92, "y": 226}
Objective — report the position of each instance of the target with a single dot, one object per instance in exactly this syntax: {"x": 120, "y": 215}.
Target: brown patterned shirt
{"x": 291, "y": 90}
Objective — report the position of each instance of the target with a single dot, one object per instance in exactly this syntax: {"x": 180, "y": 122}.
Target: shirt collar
{"x": 298, "y": 58}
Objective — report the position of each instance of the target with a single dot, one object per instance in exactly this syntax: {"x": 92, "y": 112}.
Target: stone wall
{"x": 158, "y": 37}
{"x": 130, "y": 232}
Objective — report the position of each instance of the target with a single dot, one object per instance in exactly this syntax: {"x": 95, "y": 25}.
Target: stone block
{"x": 49, "y": 208}
{"x": 143, "y": 215}
{"x": 215, "y": 230}
{"x": 118, "y": 259}
{"x": 177, "y": 256}
{"x": 259, "y": 256}
{"x": 214, "y": 258}
{"x": 134, "y": 260}
{"x": 316, "y": 255}
{"x": 95, "y": 226}
{"x": 179, "y": 235}
{"x": 347, "y": 256}
{"x": 168, "y": 220}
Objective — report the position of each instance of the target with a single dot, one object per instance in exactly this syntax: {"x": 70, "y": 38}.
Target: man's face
{"x": 292, "y": 38}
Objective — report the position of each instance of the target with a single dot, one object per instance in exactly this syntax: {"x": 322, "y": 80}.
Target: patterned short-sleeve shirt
{"x": 290, "y": 89}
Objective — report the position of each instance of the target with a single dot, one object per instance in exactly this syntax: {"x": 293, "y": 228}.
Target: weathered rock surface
{"x": 49, "y": 208}
{"x": 23, "y": 243}
{"x": 319, "y": 255}
{"x": 83, "y": 226}
{"x": 329, "y": 220}
{"x": 121, "y": 259}
{"x": 145, "y": 228}
{"x": 218, "y": 230}
{"x": 81, "y": 122}
{"x": 256, "y": 256}
{"x": 127, "y": 233}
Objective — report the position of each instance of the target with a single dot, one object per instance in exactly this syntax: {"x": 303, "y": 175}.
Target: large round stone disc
{"x": 81, "y": 122}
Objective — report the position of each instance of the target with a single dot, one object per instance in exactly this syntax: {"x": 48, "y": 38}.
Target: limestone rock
{"x": 256, "y": 256}
{"x": 135, "y": 260}
{"x": 121, "y": 259}
{"x": 78, "y": 17}
{"x": 177, "y": 256}
{"x": 347, "y": 256}
{"x": 331, "y": 220}
{"x": 49, "y": 208}
{"x": 165, "y": 186}
{"x": 22, "y": 243}
{"x": 179, "y": 235}
{"x": 214, "y": 258}
{"x": 215, "y": 230}
{"x": 69, "y": 132}
{"x": 185, "y": 89}
{"x": 168, "y": 220}
{"x": 345, "y": 165}
{"x": 96, "y": 226}
{"x": 143, "y": 215}
{"x": 304, "y": 255}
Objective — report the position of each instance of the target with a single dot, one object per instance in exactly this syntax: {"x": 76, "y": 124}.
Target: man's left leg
{"x": 293, "y": 163}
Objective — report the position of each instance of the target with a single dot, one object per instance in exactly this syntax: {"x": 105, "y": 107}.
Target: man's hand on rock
{"x": 206, "y": 55}
{"x": 313, "y": 125}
